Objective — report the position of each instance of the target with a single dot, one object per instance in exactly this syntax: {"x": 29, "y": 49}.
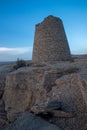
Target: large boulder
{"x": 20, "y": 91}
{"x": 30, "y": 85}
{"x": 70, "y": 92}
{"x": 27, "y": 121}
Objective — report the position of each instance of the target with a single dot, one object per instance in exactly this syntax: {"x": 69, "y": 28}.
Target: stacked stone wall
{"x": 50, "y": 43}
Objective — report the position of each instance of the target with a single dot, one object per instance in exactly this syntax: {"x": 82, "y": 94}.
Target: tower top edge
{"x": 50, "y": 18}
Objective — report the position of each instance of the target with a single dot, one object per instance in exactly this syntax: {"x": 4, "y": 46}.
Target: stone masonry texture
{"x": 50, "y": 42}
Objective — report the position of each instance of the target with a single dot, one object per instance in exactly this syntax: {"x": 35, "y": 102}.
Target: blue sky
{"x": 18, "y": 19}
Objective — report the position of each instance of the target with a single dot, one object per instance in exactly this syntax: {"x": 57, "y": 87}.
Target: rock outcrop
{"x": 33, "y": 85}
{"x": 54, "y": 91}
{"x": 30, "y": 85}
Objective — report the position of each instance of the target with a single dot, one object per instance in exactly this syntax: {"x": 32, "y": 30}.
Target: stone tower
{"x": 50, "y": 43}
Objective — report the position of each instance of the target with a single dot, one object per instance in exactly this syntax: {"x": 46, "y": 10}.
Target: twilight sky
{"x": 18, "y": 19}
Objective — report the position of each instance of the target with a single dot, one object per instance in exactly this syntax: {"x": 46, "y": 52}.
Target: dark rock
{"x": 53, "y": 105}
{"x": 3, "y": 124}
{"x": 27, "y": 121}
{"x": 2, "y": 110}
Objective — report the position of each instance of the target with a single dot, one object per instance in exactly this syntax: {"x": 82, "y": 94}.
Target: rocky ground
{"x": 48, "y": 96}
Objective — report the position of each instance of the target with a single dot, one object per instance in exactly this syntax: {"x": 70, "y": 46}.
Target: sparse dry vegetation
{"x": 19, "y": 63}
